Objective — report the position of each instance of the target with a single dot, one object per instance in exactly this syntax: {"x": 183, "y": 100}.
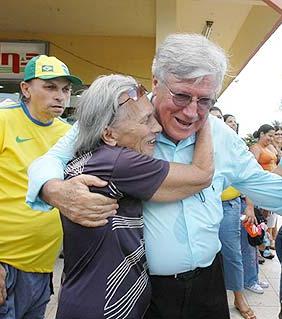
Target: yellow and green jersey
{"x": 29, "y": 240}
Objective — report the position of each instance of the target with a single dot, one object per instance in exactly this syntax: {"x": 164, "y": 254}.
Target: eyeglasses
{"x": 183, "y": 100}
{"x": 135, "y": 93}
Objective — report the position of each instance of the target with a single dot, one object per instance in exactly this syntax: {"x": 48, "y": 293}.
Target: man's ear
{"x": 109, "y": 136}
{"x": 25, "y": 89}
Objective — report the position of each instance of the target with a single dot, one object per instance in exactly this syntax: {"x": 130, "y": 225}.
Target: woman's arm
{"x": 272, "y": 149}
{"x": 184, "y": 180}
{"x": 278, "y": 169}
{"x": 255, "y": 149}
{"x": 249, "y": 212}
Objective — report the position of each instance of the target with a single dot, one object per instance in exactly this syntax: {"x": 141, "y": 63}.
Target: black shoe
{"x": 266, "y": 253}
{"x": 261, "y": 260}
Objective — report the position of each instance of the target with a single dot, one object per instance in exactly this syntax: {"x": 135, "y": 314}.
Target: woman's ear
{"x": 109, "y": 136}
{"x": 154, "y": 84}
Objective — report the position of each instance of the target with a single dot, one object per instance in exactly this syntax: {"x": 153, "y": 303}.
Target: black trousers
{"x": 200, "y": 295}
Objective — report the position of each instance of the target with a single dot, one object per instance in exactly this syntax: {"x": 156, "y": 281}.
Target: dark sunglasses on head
{"x": 135, "y": 93}
{"x": 183, "y": 100}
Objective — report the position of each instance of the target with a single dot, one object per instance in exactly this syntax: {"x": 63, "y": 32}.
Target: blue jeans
{"x": 250, "y": 260}
{"x": 229, "y": 234}
{"x": 27, "y": 294}
{"x": 278, "y": 247}
{"x": 249, "y": 257}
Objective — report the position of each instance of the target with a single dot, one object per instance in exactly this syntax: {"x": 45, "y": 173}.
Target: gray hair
{"x": 97, "y": 108}
{"x": 189, "y": 56}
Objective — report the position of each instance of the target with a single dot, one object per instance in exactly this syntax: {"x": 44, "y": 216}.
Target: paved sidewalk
{"x": 266, "y": 306}
{"x": 52, "y": 306}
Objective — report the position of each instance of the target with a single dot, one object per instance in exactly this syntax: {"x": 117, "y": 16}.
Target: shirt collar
{"x": 161, "y": 138}
{"x": 27, "y": 113}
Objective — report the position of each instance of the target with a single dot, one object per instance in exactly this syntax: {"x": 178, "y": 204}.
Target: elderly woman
{"x": 105, "y": 267}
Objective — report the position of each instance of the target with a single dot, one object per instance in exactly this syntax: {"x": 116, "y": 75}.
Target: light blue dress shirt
{"x": 182, "y": 235}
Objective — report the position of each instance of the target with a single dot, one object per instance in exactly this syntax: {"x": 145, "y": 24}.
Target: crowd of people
{"x": 149, "y": 189}
{"x": 240, "y": 257}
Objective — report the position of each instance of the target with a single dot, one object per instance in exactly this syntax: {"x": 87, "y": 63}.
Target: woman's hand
{"x": 250, "y": 214}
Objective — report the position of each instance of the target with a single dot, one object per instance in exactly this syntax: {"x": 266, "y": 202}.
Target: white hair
{"x": 97, "y": 108}
{"x": 190, "y": 56}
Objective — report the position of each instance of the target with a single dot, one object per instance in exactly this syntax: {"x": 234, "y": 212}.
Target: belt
{"x": 187, "y": 275}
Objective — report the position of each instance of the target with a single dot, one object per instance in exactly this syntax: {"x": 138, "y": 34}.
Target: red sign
{"x": 15, "y": 55}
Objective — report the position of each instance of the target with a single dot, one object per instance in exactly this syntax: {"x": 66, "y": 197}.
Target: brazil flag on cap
{"x": 48, "y": 67}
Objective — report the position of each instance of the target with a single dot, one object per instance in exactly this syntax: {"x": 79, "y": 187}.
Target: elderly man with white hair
{"x": 181, "y": 238}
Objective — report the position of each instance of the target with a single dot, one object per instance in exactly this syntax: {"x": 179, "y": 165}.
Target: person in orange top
{"x": 264, "y": 152}
{"x": 277, "y": 141}
{"x": 266, "y": 155}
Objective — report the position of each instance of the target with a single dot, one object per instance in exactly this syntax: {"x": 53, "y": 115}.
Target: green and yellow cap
{"x": 48, "y": 67}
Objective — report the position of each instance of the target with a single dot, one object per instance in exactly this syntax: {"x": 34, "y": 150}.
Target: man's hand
{"x": 3, "y": 292}
{"x": 77, "y": 203}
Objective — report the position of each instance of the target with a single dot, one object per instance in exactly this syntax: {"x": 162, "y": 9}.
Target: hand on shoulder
{"x": 74, "y": 200}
